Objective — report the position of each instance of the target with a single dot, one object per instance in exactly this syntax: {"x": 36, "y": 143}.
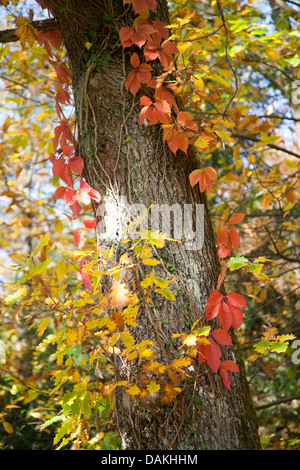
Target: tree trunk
{"x": 143, "y": 171}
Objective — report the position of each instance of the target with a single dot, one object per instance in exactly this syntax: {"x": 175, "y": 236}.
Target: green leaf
{"x": 279, "y": 347}
{"x": 262, "y": 346}
{"x": 52, "y": 420}
{"x": 86, "y": 405}
{"x": 204, "y": 331}
{"x": 237, "y": 263}
{"x": 166, "y": 293}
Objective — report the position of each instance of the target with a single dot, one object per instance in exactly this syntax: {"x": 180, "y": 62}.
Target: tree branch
{"x": 277, "y": 402}
{"x": 9, "y": 35}
{"x": 272, "y": 146}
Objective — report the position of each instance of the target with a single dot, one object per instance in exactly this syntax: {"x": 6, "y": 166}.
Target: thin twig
{"x": 227, "y": 57}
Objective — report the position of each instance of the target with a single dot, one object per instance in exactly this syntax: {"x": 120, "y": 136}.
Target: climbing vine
{"x": 100, "y": 317}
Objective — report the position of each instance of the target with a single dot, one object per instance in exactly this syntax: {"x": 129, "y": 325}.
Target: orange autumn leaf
{"x": 140, "y": 74}
{"x": 205, "y": 177}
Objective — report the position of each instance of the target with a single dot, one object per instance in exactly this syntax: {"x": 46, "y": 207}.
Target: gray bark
{"x": 144, "y": 171}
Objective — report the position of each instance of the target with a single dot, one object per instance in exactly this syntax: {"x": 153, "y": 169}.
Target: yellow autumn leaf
{"x": 153, "y": 387}
{"x": 43, "y": 326}
{"x": 223, "y": 135}
{"x": 25, "y": 31}
{"x": 127, "y": 339}
{"x": 71, "y": 336}
{"x": 247, "y": 121}
{"x": 60, "y": 270}
{"x": 203, "y": 141}
{"x": 236, "y": 152}
{"x": 271, "y": 53}
{"x": 190, "y": 340}
{"x": 181, "y": 362}
{"x": 170, "y": 393}
{"x": 199, "y": 83}
{"x": 76, "y": 376}
{"x": 8, "y": 427}
{"x": 183, "y": 46}
{"x": 219, "y": 79}
{"x": 133, "y": 390}
{"x": 150, "y": 262}
{"x": 146, "y": 354}
{"x": 156, "y": 367}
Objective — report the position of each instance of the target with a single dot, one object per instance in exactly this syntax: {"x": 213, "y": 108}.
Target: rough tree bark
{"x": 144, "y": 171}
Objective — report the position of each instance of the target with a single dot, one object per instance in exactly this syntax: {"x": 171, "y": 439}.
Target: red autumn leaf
{"x": 225, "y": 367}
{"x": 69, "y": 196}
{"x": 212, "y": 311}
{"x": 178, "y": 134}
{"x": 205, "y": 183}
{"x": 222, "y": 235}
{"x": 62, "y": 96}
{"x": 141, "y": 74}
{"x": 230, "y": 365}
{"x": 50, "y": 37}
{"x": 224, "y": 251}
{"x": 211, "y": 173}
{"x": 86, "y": 193}
{"x": 134, "y": 60}
{"x": 226, "y": 308}
{"x": 59, "y": 193}
{"x": 215, "y": 298}
{"x": 161, "y": 93}
{"x": 89, "y": 224}
{"x": 78, "y": 236}
{"x": 140, "y": 5}
{"x": 54, "y": 37}
{"x": 43, "y": 41}
{"x": 234, "y": 237}
{"x": 154, "y": 112}
{"x": 237, "y": 316}
{"x": 237, "y": 300}
{"x": 236, "y": 218}
{"x": 154, "y": 50}
{"x": 212, "y": 352}
{"x": 144, "y": 25}
{"x": 76, "y": 209}
{"x": 61, "y": 169}
{"x": 68, "y": 150}
{"x": 222, "y": 337}
{"x": 63, "y": 133}
{"x": 176, "y": 138}
{"x": 225, "y": 377}
{"x": 225, "y": 316}
{"x": 228, "y": 235}
{"x": 76, "y": 164}
{"x": 129, "y": 37}
{"x": 63, "y": 75}
{"x": 221, "y": 277}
